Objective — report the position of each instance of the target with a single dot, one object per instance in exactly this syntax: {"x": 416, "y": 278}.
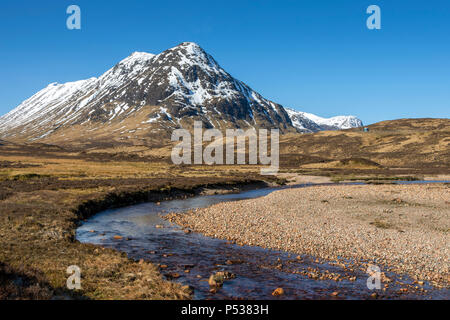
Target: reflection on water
{"x": 258, "y": 271}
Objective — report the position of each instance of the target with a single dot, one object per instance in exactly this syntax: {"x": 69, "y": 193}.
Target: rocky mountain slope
{"x": 145, "y": 96}
{"x": 159, "y": 92}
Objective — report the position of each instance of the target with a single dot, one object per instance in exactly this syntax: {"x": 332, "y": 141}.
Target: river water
{"x": 258, "y": 271}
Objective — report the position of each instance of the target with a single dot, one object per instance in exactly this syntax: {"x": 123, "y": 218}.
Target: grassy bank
{"x": 39, "y": 216}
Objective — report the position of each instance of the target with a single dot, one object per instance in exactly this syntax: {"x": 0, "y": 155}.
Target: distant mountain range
{"x": 308, "y": 122}
{"x": 147, "y": 95}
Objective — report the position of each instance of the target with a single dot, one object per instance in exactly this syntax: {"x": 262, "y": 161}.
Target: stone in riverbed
{"x": 174, "y": 275}
{"x": 278, "y": 292}
{"x": 188, "y": 289}
{"x": 217, "y": 279}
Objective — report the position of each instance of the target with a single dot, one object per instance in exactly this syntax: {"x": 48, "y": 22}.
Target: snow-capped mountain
{"x": 146, "y": 96}
{"x": 308, "y": 122}
{"x": 141, "y": 95}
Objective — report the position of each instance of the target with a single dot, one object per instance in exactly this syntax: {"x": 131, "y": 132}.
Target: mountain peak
{"x": 190, "y": 53}
{"x": 148, "y": 95}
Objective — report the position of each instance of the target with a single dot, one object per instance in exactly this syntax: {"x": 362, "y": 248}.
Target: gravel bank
{"x": 403, "y": 228}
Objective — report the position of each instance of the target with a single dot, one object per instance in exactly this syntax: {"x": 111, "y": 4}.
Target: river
{"x": 191, "y": 258}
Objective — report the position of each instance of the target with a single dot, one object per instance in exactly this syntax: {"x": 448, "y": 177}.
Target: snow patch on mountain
{"x": 61, "y": 103}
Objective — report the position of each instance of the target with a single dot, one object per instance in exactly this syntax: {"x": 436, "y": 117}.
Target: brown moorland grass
{"x": 45, "y": 189}
{"x": 419, "y": 145}
{"x": 40, "y": 208}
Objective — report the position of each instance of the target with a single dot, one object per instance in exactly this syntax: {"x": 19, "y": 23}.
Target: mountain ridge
{"x": 142, "y": 97}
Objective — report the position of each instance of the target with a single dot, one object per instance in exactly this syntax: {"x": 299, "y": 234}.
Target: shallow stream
{"x": 191, "y": 258}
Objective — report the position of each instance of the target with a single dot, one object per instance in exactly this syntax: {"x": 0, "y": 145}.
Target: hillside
{"x": 391, "y": 147}
{"x": 404, "y": 144}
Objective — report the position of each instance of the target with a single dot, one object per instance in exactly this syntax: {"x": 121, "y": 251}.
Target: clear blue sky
{"x": 312, "y": 55}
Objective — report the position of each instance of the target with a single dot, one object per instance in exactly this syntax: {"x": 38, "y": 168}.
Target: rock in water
{"x": 278, "y": 292}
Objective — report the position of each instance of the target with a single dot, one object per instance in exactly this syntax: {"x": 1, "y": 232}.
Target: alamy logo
{"x": 374, "y": 20}
{"x": 74, "y": 281}
{"x": 213, "y": 153}
{"x": 374, "y": 279}
{"x": 74, "y": 20}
